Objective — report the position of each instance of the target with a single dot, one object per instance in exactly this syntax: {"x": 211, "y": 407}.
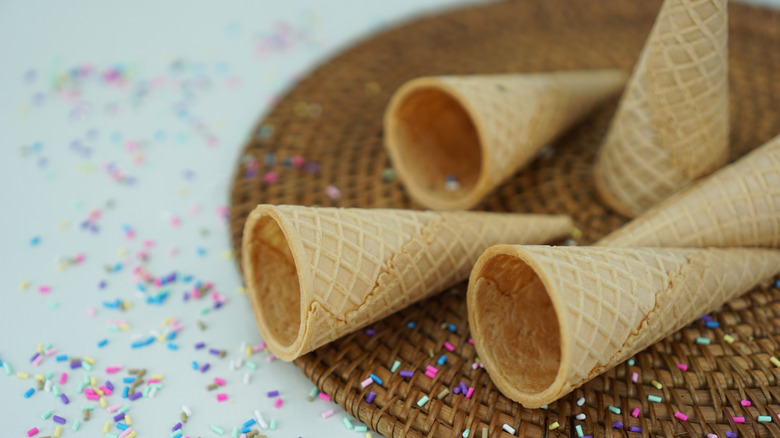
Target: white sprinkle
{"x": 246, "y": 378}
{"x": 243, "y": 347}
{"x": 186, "y": 411}
{"x": 232, "y": 365}
{"x": 508, "y": 428}
{"x": 260, "y": 420}
{"x": 239, "y": 362}
{"x": 580, "y": 401}
{"x": 580, "y": 416}
{"x": 152, "y": 392}
{"x": 47, "y": 386}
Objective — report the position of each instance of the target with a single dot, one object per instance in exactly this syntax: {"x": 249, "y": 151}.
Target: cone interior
{"x": 518, "y": 318}
{"x": 274, "y": 284}
{"x": 436, "y": 138}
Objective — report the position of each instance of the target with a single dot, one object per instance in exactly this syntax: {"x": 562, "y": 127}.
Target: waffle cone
{"x": 739, "y": 205}
{"x": 481, "y": 129}
{"x": 672, "y": 123}
{"x": 547, "y": 319}
{"x": 316, "y": 274}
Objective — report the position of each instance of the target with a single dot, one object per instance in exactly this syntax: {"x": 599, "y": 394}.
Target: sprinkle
{"x": 411, "y": 324}
{"x": 657, "y": 384}
{"x": 327, "y": 413}
{"x": 76, "y": 425}
{"x": 442, "y": 360}
{"x": 614, "y": 410}
{"x": 366, "y": 382}
{"x": 712, "y": 324}
{"x": 186, "y": 411}
{"x": 246, "y": 378}
{"x": 406, "y": 373}
{"x": 278, "y": 403}
{"x": 579, "y": 417}
{"x": 370, "y": 397}
{"x": 738, "y": 419}
{"x": 553, "y": 426}
{"x": 634, "y": 377}
{"x": 249, "y": 423}
{"x": 46, "y": 415}
{"x": 580, "y": 401}
{"x": 654, "y": 398}
{"x": 728, "y": 338}
{"x": 764, "y": 419}
{"x": 222, "y": 397}
{"x": 347, "y": 423}
{"x": 324, "y": 396}
{"x": 205, "y": 368}
{"x": 313, "y": 393}
{"x": 64, "y": 398}
{"x": 32, "y": 431}
{"x": 375, "y": 378}
{"x": 395, "y": 366}
{"x": 260, "y": 420}
{"x": 119, "y": 416}
{"x": 443, "y": 393}
{"x": 362, "y": 428}
{"x": 272, "y": 426}
{"x": 218, "y": 430}
{"x": 680, "y": 416}
{"x": 635, "y": 413}
{"x": 775, "y": 361}
{"x": 22, "y": 375}
{"x": 731, "y": 434}
{"x": 465, "y": 433}
{"x": 469, "y": 392}
{"x": 702, "y": 341}
{"x": 29, "y": 393}
{"x": 422, "y": 401}
{"x": 617, "y": 425}
{"x": 134, "y": 396}
{"x": 106, "y": 427}
{"x": 636, "y": 429}
{"x": 745, "y": 403}
{"x": 333, "y": 192}
{"x": 508, "y": 428}
{"x": 682, "y": 367}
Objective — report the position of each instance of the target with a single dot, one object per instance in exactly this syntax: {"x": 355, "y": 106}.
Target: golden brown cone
{"x": 672, "y": 123}
{"x": 481, "y": 129}
{"x": 739, "y": 205}
{"x": 316, "y": 274}
{"x": 547, "y": 319}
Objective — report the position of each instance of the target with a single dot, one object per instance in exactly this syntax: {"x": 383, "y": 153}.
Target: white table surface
{"x": 133, "y": 114}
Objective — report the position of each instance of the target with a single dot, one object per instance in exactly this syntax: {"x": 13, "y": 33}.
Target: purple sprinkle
{"x": 199, "y": 345}
{"x": 456, "y": 390}
{"x": 370, "y": 397}
{"x": 119, "y": 416}
{"x": 102, "y": 284}
{"x": 617, "y": 425}
{"x": 370, "y": 332}
{"x": 177, "y": 427}
{"x": 134, "y": 396}
{"x": 75, "y": 364}
{"x": 463, "y": 388}
{"x": 273, "y": 394}
{"x": 35, "y": 356}
{"x": 205, "y": 367}
{"x": 731, "y": 434}
{"x": 406, "y": 373}
{"x": 64, "y": 398}
{"x": 58, "y": 419}
{"x": 635, "y": 429}
{"x": 214, "y": 351}
{"x": 706, "y": 318}
{"x": 109, "y": 385}
{"x": 588, "y": 436}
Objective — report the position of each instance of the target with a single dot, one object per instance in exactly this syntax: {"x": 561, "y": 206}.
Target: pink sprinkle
{"x": 44, "y": 290}
{"x": 366, "y": 382}
{"x": 469, "y": 392}
{"x": 105, "y": 390}
{"x": 50, "y": 351}
{"x": 259, "y": 347}
{"x": 194, "y": 209}
{"x": 448, "y": 346}
{"x": 430, "y": 375}
{"x": 89, "y": 391}
{"x": 680, "y": 416}
{"x": 431, "y": 369}
{"x": 278, "y": 403}
{"x": 114, "y": 408}
{"x": 634, "y": 377}
{"x": 91, "y": 311}
{"x": 682, "y": 366}
{"x": 222, "y": 397}
{"x": 37, "y": 361}
{"x": 326, "y": 397}
{"x": 270, "y": 358}
{"x": 63, "y": 378}
{"x": 271, "y": 178}
{"x": 243, "y": 435}
{"x": 745, "y": 403}
{"x": 471, "y": 341}
{"x": 635, "y": 413}
{"x": 175, "y": 221}
{"x": 79, "y": 257}
{"x": 333, "y": 192}
{"x": 113, "y": 369}
{"x": 148, "y": 243}
{"x": 218, "y": 381}
{"x": 738, "y": 419}
{"x": 32, "y": 431}
{"x": 327, "y": 413}
{"x": 93, "y": 397}
{"x": 298, "y": 161}
{"x": 153, "y": 381}
{"x": 126, "y": 432}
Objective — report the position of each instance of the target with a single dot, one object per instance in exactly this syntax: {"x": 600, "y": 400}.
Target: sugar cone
{"x": 316, "y": 274}
{"x": 739, "y": 205}
{"x": 481, "y": 129}
{"x": 672, "y": 123}
{"x": 547, "y": 319}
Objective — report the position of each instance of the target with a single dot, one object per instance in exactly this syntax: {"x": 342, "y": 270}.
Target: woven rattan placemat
{"x": 333, "y": 117}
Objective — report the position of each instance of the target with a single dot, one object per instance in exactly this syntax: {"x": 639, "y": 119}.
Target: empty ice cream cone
{"x": 739, "y": 205}
{"x": 547, "y": 319}
{"x": 453, "y": 139}
{"x": 316, "y": 274}
{"x": 672, "y": 123}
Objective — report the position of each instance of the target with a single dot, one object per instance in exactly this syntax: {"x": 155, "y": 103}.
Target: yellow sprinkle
{"x": 98, "y": 391}
{"x": 61, "y": 266}
{"x": 227, "y": 255}
{"x": 64, "y": 224}
{"x": 131, "y": 434}
{"x": 300, "y": 109}
{"x": 39, "y": 377}
{"x": 57, "y": 431}
{"x": 126, "y": 304}
{"x": 728, "y": 338}
{"x": 774, "y": 361}
{"x": 93, "y": 380}
{"x": 553, "y": 426}
{"x": 368, "y": 434}
{"x": 22, "y": 375}
{"x": 128, "y": 420}
{"x": 106, "y": 427}
{"x": 183, "y": 192}
{"x": 90, "y": 360}
{"x": 121, "y": 252}
{"x": 157, "y": 376}
{"x": 24, "y": 285}
{"x": 102, "y": 402}
{"x": 248, "y": 351}
{"x": 241, "y": 290}
{"x": 40, "y": 348}
{"x": 167, "y": 320}
{"x": 657, "y": 384}
{"x": 576, "y": 233}
{"x": 161, "y": 338}
{"x": 124, "y": 326}
{"x": 372, "y": 88}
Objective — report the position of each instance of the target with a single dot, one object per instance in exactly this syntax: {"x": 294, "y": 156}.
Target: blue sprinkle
{"x": 29, "y": 392}
{"x": 122, "y": 426}
{"x": 128, "y": 380}
{"x": 250, "y": 423}
{"x": 187, "y": 278}
{"x": 375, "y": 378}
{"x": 140, "y": 287}
{"x": 201, "y": 251}
{"x": 35, "y": 241}
{"x": 62, "y": 358}
{"x": 171, "y": 336}
{"x": 102, "y": 343}
{"x": 246, "y": 429}
{"x": 194, "y": 365}
{"x": 411, "y": 324}
{"x": 173, "y": 347}
{"x": 452, "y": 328}
{"x": 712, "y": 324}
{"x": 125, "y": 391}
{"x": 442, "y": 360}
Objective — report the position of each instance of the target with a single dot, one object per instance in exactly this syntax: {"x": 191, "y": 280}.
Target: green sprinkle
{"x": 251, "y": 365}
{"x": 579, "y": 431}
{"x": 395, "y": 366}
{"x": 86, "y": 379}
{"x": 86, "y": 365}
{"x": 205, "y": 310}
{"x": 51, "y": 305}
{"x": 113, "y": 328}
{"x": 388, "y": 174}
{"x": 314, "y": 393}
{"x": 422, "y": 401}
{"x": 774, "y": 361}
{"x": 111, "y": 435}
{"x": 49, "y": 375}
{"x": 654, "y": 398}
{"x": 46, "y": 346}
{"x": 81, "y": 387}
{"x": 124, "y": 409}
{"x": 631, "y": 362}
{"x": 466, "y": 433}
{"x": 234, "y": 434}
{"x": 272, "y": 425}
{"x": 55, "y": 390}
{"x": 88, "y": 407}
{"x": 76, "y": 425}
{"x": 348, "y": 423}
{"x": 543, "y": 407}
{"x": 47, "y": 414}
{"x": 7, "y": 368}
{"x": 218, "y": 430}
{"x": 614, "y": 410}
{"x": 361, "y": 428}
{"x": 702, "y": 341}
{"x": 764, "y": 419}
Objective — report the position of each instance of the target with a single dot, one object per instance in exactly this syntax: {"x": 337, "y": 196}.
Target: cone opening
{"x": 437, "y": 143}
{"x": 273, "y": 283}
{"x": 516, "y": 315}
